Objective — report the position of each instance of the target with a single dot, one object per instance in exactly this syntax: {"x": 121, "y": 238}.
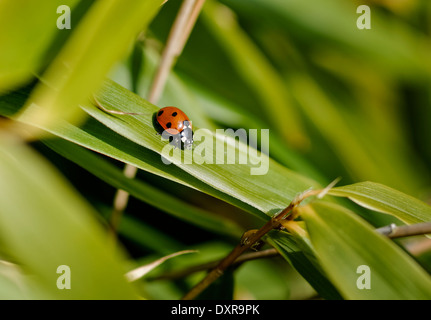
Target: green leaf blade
{"x": 31, "y": 27}
{"x": 44, "y": 225}
{"x": 109, "y": 27}
{"x": 157, "y": 198}
{"x": 381, "y": 198}
{"x": 343, "y": 242}
{"x": 259, "y": 191}
{"x": 295, "y": 254}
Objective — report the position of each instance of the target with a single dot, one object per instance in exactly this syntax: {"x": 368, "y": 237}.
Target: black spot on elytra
{"x": 160, "y": 113}
{"x": 174, "y": 114}
{"x": 168, "y": 125}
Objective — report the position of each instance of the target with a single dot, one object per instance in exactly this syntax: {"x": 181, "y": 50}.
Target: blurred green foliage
{"x": 338, "y": 101}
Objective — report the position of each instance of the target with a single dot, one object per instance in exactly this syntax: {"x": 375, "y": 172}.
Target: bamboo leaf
{"x": 12, "y": 282}
{"x": 95, "y": 136}
{"x": 44, "y": 225}
{"x": 381, "y": 198}
{"x": 141, "y": 271}
{"x": 257, "y": 182}
{"x": 343, "y": 243}
{"x": 99, "y": 40}
{"x": 31, "y": 27}
{"x": 266, "y": 193}
{"x": 298, "y": 253}
{"x": 162, "y": 200}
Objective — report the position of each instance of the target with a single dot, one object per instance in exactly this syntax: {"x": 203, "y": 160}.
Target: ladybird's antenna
{"x": 99, "y": 105}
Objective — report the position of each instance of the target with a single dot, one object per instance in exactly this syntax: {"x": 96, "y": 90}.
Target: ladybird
{"x": 175, "y": 123}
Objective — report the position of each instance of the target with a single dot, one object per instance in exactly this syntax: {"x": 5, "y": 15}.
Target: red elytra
{"x": 172, "y": 119}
